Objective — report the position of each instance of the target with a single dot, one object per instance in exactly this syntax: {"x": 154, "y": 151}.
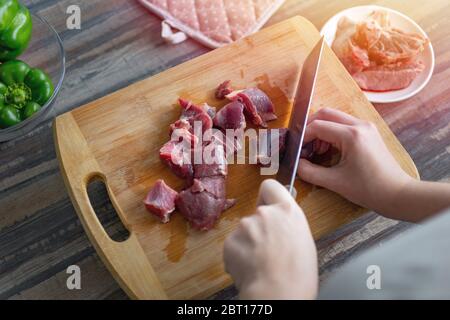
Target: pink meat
{"x": 258, "y": 106}
{"x": 172, "y": 154}
{"x": 160, "y": 200}
{"x": 193, "y": 113}
{"x": 265, "y": 149}
{"x": 180, "y": 134}
{"x": 223, "y": 90}
{"x": 180, "y": 124}
{"x": 201, "y": 209}
{"x": 386, "y": 78}
{"x": 216, "y": 165}
{"x": 230, "y": 116}
{"x": 203, "y": 202}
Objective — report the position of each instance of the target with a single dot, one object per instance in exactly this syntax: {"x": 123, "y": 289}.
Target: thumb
{"x": 273, "y": 192}
{"x": 317, "y": 175}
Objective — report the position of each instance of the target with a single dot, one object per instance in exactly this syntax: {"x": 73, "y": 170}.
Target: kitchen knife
{"x": 299, "y": 118}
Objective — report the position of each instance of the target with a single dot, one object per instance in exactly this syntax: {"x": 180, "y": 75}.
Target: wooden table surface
{"x": 118, "y": 44}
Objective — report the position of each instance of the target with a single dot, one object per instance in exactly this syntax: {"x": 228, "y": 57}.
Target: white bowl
{"x": 400, "y": 21}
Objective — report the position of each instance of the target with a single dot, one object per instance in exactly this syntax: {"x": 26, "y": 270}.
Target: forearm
{"x": 418, "y": 200}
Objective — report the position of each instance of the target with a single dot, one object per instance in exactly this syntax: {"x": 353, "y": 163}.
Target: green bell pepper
{"x": 15, "y": 29}
{"x": 22, "y": 88}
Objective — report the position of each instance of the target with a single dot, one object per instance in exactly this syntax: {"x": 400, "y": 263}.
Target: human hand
{"x": 272, "y": 255}
{"x": 367, "y": 173}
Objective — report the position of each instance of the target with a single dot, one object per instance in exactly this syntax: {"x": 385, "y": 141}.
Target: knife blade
{"x": 299, "y": 118}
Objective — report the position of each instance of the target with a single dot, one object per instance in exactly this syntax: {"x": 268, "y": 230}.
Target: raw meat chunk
{"x": 258, "y": 106}
{"x": 216, "y": 165}
{"x": 230, "y": 116}
{"x": 193, "y": 113}
{"x": 173, "y": 155}
{"x": 160, "y": 200}
{"x": 203, "y": 202}
{"x": 223, "y": 90}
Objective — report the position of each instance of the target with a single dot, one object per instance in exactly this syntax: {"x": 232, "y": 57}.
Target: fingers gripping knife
{"x": 299, "y": 118}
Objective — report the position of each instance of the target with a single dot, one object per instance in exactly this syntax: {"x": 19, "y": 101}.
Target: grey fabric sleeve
{"x": 415, "y": 265}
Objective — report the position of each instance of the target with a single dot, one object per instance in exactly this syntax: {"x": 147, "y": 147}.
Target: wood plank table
{"x": 118, "y": 44}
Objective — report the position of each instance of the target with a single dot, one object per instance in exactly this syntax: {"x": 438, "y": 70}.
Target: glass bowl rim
{"x": 58, "y": 86}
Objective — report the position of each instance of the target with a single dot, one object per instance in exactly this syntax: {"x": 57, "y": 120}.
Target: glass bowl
{"x": 45, "y": 51}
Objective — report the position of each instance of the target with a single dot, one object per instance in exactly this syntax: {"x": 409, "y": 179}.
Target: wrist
{"x": 278, "y": 290}
{"x": 396, "y": 196}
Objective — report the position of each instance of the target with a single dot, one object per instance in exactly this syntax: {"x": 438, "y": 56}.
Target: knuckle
{"x": 368, "y": 125}
{"x": 286, "y": 206}
{"x": 325, "y": 111}
{"x": 245, "y": 223}
{"x": 263, "y": 212}
{"x": 316, "y": 123}
{"x": 356, "y": 133}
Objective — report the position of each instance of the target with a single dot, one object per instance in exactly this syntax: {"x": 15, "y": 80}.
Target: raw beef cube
{"x": 203, "y": 202}
{"x": 180, "y": 124}
{"x": 211, "y": 111}
{"x": 315, "y": 147}
{"x": 213, "y": 185}
{"x": 160, "y": 200}
{"x": 200, "y": 207}
{"x": 217, "y": 165}
{"x": 173, "y": 155}
{"x": 230, "y": 116}
{"x": 223, "y": 90}
{"x": 182, "y": 134}
{"x": 193, "y": 113}
{"x": 258, "y": 107}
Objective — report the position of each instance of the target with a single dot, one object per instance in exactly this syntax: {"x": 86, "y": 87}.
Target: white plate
{"x": 398, "y": 20}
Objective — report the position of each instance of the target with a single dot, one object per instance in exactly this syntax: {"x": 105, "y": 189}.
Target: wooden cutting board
{"x": 117, "y": 139}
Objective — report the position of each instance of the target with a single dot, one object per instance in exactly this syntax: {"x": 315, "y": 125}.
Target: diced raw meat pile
{"x": 377, "y": 55}
{"x": 204, "y": 198}
{"x": 161, "y": 200}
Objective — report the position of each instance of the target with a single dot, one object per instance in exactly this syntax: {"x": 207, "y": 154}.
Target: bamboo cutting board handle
{"x": 126, "y": 260}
